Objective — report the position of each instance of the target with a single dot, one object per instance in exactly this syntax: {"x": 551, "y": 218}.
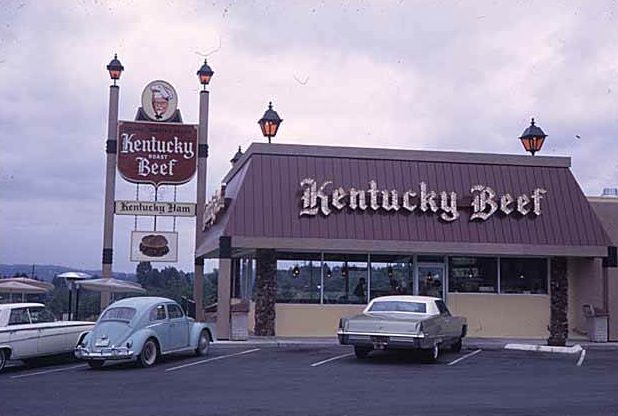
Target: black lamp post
{"x": 269, "y": 123}
{"x": 115, "y": 68}
{"x": 205, "y": 73}
{"x": 532, "y": 138}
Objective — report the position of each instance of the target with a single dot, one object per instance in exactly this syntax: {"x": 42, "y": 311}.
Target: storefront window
{"x": 523, "y": 275}
{"x": 345, "y": 278}
{"x": 298, "y": 280}
{"x": 473, "y": 274}
{"x": 391, "y": 275}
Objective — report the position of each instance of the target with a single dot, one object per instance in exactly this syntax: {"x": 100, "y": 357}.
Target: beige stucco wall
{"x": 493, "y": 315}
{"x": 517, "y": 316}
{"x": 311, "y": 320}
{"x": 585, "y": 287}
{"x": 300, "y": 320}
{"x": 607, "y": 211}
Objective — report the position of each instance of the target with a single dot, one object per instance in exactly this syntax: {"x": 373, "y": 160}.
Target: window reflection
{"x": 391, "y": 275}
{"x": 298, "y": 279}
{"x": 473, "y": 274}
{"x": 523, "y": 275}
{"x": 348, "y": 281}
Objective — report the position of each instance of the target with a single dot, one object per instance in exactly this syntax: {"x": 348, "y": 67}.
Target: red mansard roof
{"x": 266, "y": 199}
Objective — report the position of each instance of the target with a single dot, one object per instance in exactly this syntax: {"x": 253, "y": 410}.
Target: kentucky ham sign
{"x": 157, "y": 153}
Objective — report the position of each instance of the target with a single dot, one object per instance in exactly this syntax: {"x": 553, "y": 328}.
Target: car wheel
{"x": 3, "y": 358}
{"x": 456, "y": 347}
{"x": 203, "y": 343}
{"x": 148, "y": 356}
{"x": 96, "y": 364}
{"x": 431, "y": 354}
{"x": 361, "y": 352}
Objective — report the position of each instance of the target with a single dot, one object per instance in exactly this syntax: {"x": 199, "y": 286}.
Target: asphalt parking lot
{"x": 320, "y": 380}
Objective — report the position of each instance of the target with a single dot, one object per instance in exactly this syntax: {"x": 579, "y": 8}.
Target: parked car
{"x": 403, "y": 322}
{"x": 143, "y": 329}
{"x": 30, "y": 330}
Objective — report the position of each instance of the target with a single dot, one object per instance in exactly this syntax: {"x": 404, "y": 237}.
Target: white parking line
{"x": 212, "y": 359}
{"x": 38, "y": 373}
{"x": 581, "y": 358}
{"x": 464, "y": 357}
{"x": 331, "y": 359}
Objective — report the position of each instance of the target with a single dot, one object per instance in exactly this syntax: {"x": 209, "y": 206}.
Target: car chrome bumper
{"x": 379, "y": 340}
{"x": 121, "y": 353}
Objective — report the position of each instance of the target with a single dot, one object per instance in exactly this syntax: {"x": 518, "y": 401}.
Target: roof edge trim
{"x": 396, "y": 154}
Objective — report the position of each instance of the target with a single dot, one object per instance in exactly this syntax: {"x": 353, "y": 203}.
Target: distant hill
{"x": 47, "y": 272}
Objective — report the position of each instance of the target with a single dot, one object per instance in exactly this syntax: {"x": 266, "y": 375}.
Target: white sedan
{"x": 30, "y": 330}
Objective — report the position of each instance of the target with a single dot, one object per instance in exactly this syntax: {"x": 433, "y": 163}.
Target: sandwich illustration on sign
{"x": 154, "y": 245}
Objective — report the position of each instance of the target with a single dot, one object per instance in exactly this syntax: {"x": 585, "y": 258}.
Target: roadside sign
{"x": 154, "y": 246}
{"x": 150, "y": 208}
{"x": 157, "y": 153}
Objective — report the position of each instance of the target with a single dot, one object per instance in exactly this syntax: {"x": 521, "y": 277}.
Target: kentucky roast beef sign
{"x": 157, "y": 153}
{"x": 324, "y": 197}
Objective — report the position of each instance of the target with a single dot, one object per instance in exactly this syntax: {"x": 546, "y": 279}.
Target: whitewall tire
{"x": 148, "y": 356}
{"x": 203, "y": 344}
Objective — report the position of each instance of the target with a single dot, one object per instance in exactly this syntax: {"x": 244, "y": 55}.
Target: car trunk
{"x": 384, "y": 322}
{"x": 109, "y": 333}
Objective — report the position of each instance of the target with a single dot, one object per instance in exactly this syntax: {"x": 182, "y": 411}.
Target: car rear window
{"x": 19, "y": 316}
{"x": 118, "y": 314}
{"x": 40, "y": 315}
{"x": 398, "y": 306}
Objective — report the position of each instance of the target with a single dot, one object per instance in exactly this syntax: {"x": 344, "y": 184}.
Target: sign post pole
{"x": 111, "y": 149}
{"x": 202, "y": 155}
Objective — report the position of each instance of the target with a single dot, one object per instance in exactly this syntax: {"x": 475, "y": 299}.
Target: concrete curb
{"x": 575, "y": 349}
{"x": 275, "y": 343}
{"x": 487, "y": 344}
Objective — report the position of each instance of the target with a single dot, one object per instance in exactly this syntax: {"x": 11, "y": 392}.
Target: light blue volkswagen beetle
{"x": 143, "y": 329}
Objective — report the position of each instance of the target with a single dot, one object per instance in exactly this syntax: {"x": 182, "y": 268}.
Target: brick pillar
{"x": 265, "y": 292}
{"x": 559, "y": 302}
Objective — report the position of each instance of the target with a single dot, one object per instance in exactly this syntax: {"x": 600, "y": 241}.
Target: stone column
{"x": 265, "y": 292}
{"x": 559, "y": 302}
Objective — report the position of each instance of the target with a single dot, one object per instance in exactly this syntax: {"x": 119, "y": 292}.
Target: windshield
{"x": 122, "y": 314}
{"x": 398, "y": 306}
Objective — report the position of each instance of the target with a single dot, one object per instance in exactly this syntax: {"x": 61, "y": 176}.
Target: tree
{"x": 142, "y": 271}
{"x": 169, "y": 282}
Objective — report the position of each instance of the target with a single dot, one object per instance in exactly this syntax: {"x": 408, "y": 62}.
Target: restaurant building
{"x": 333, "y": 227}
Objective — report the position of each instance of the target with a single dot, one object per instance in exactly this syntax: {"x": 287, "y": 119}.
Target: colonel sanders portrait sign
{"x": 157, "y": 153}
{"x": 159, "y": 101}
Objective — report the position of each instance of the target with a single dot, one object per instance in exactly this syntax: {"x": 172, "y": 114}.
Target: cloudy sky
{"x": 439, "y": 75}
